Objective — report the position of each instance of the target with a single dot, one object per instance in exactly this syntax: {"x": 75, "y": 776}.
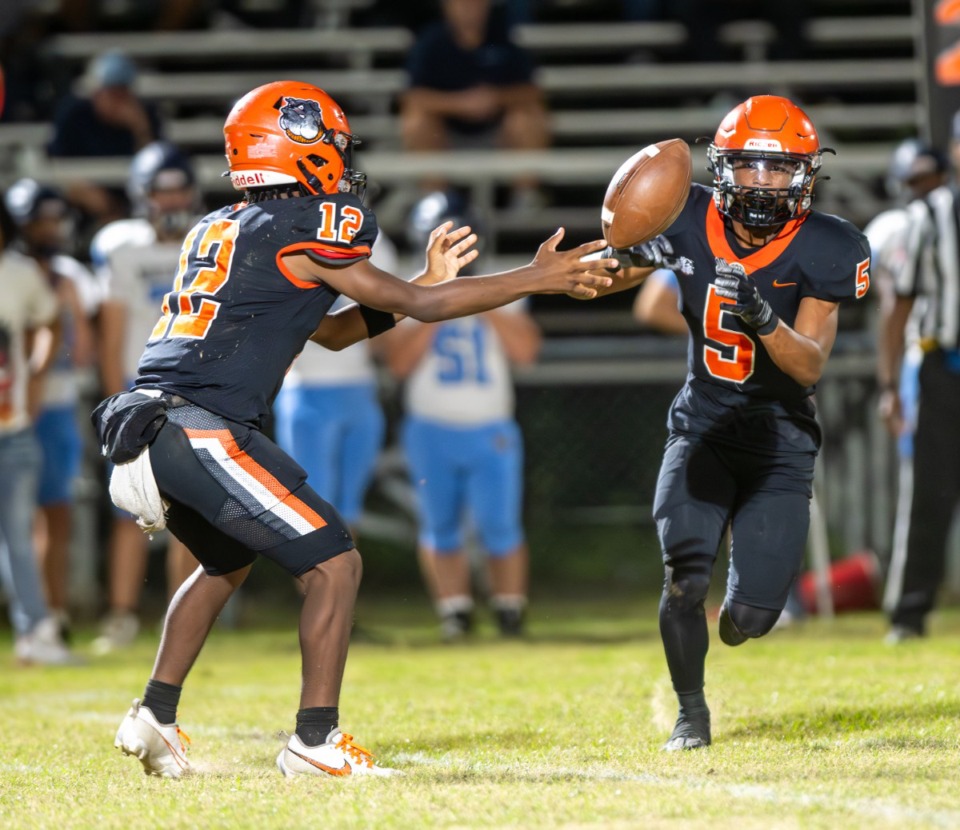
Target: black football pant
{"x": 703, "y": 488}
{"x": 936, "y": 489}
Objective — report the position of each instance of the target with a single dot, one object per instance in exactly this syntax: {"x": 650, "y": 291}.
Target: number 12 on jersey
{"x": 204, "y": 268}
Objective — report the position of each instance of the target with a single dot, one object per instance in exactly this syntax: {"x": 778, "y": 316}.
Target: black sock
{"x": 692, "y": 703}
{"x": 162, "y": 699}
{"x": 314, "y": 724}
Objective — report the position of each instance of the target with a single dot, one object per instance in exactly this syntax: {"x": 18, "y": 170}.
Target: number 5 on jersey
{"x": 189, "y": 309}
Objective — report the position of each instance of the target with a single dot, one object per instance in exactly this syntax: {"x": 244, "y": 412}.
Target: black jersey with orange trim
{"x": 820, "y": 256}
{"x": 236, "y": 318}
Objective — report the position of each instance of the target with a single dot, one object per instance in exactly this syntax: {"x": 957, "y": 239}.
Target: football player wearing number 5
{"x": 761, "y": 279}
{"x": 255, "y": 282}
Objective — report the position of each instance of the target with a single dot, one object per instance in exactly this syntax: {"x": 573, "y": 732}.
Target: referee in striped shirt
{"x": 925, "y": 299}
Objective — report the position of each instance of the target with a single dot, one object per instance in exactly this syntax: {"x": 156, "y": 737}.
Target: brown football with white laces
{"x": 647, "y": 193}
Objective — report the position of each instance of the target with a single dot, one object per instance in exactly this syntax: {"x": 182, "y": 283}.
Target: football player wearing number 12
{"x": 761, "y": 278}
{"x": 255, "y": 282}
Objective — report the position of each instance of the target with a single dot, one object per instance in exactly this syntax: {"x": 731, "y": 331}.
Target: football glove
{"x": 732, "y": 283}
{"x": 650, "y": 254}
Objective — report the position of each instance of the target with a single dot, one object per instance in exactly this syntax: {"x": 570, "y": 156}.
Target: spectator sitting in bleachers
{"x": 703, "y": 19}
{"x": 130, "y": 15}
{"x": 470, "y": 85}
{"x": 105, "y": 119}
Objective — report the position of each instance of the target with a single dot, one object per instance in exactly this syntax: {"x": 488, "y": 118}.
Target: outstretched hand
{"x": 450, "y": 250}
{"x": 570, "y": 272}
{"x": 654, "y": 253}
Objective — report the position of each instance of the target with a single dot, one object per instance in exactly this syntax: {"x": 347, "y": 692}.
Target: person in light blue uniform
{"x": 328, "y": 414}
{"x": 463, "y": 444}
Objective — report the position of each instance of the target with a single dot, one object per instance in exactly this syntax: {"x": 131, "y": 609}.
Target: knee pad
{"x": 750, "y": 622}
{"x": 686, "y": 585}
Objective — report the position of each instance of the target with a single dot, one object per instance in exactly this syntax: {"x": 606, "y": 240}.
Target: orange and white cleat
{"x": 338, "y": 757}
{"x": 161, "y": 748}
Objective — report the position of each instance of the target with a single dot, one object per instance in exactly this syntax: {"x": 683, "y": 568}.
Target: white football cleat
{"x": 44, "y": 646}
{"x": 338, "y": 757}
{"x": 160, "y": 748}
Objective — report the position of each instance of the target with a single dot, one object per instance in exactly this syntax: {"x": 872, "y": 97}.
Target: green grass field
{"x": 820, "y": 725}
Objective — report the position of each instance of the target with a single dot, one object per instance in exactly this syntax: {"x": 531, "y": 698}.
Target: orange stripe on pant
{"x": 258, "y": 473}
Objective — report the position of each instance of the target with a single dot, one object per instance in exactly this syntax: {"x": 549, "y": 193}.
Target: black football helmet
{"x": 161, "y": 167}
{"x": 434, "y": 209}
{"x": 45, "y": 219}
{"x": 28, "y": 200}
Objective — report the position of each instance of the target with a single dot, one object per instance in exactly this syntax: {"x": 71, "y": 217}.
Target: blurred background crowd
{"x": 511, "y": 115}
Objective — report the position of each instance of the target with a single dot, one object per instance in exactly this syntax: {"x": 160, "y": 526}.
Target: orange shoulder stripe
{"x": 309, "y": 246}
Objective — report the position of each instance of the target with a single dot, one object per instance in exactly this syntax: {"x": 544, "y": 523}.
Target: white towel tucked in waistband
{"x": 134, "y": 489}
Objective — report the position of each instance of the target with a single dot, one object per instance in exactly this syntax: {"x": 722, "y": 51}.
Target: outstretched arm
{"x": 550, "y": 272}
{"x": 634, "y": 264}
{"x": 447, "y": 252}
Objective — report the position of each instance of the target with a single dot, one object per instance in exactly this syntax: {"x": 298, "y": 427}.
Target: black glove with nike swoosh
{"x": 733, "y": 283}
{"x": 650, "y": 254}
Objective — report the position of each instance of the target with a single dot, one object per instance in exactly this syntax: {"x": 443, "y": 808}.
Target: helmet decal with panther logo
{"x": 290, "y": 133}
{"x": 301, "y": 120}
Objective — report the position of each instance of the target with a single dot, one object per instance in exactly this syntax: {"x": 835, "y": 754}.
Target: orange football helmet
{"x": 765, "y": 129}
{"x": 287, "y": 133}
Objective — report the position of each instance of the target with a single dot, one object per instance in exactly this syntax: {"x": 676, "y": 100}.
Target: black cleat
{"x": 510, "y": 621}
{"x": 901, "y": 633}
{"x": 729, "y": 633}
{"x": 456, "y": 626}
{"x": 692, "y": 730}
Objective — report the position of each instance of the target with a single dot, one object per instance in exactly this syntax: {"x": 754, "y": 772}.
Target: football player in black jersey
{"x": 255, "y": 281}
{"x": 761, "y": 278}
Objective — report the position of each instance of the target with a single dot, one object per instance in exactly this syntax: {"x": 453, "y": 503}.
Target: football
{"x": 647, "y": 193}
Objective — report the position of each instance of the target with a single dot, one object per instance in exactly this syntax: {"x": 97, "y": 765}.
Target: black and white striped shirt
{"x": 932, "y": 267}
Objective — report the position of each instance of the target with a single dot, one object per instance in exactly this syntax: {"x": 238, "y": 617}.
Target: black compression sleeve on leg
{"x": 683, "y": 623}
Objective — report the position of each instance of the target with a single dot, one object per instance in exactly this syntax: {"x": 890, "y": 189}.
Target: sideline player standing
{"x": 925, "y": 306}
{"x": 256, "y": 278}
{"x": 915, "y": 170}
{"x": 135, "y": 259}
{"x": 761, "y": 278}
{"x": 463, "y": 444}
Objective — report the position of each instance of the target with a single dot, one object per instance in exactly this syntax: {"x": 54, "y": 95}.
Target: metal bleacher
{"x": 603, "y": 100}
{"x": 611, "y": 88}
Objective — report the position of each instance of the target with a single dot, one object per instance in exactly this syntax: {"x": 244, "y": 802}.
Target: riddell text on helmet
{"x": 248, "y": 178}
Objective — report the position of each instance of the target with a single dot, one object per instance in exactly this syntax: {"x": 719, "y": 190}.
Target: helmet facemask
{"x": 352, "y": 181}
{"x": 763, "y": 207}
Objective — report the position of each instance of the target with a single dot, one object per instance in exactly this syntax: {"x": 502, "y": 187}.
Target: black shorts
{"x": 234, "y": 494}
